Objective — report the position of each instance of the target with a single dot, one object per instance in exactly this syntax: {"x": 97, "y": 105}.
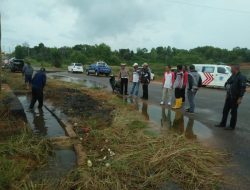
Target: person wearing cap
{"x": 27, "y": 72}
{"x": 145, "y": 80}
{"x": 124, "y": 75}
{"x": 38, "y": 83}
{"x": 135, "y": 80}
{"x": 167, "y": 85}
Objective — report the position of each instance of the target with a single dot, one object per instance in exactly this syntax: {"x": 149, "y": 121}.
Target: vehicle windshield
{"x": 78, "y": 64}
{"x": 102, "y": 64}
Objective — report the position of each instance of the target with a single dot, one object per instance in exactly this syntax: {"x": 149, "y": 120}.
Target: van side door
{"x": 208, "y": 74}
{"x": 221, "y": 76}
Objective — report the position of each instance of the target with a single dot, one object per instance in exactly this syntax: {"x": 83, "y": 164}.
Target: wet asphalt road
{"x": 209, "y": 106}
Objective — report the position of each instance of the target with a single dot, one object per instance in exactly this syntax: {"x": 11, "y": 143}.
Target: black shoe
{"x": 229, "y": 128}
{"x": 219, "y": 125}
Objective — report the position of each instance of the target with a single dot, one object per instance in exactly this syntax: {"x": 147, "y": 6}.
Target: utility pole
{"x": 0, "y": 53}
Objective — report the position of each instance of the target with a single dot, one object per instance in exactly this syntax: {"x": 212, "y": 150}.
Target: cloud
{"x": 126, "y": 24}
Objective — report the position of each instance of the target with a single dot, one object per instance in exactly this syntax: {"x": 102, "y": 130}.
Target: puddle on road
{"x": 84, "y": 82}
{"x": 171, "y": 120}
{"x": 43, "y": 123}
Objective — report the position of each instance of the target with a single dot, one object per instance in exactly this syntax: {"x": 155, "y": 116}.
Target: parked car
{"x": 213, "y": 75}
{"x": 16, "y": 65}
{"x": 99, "y": 68}
{"x": 6, "y": 66}
{"x": 75, "y": 68}
{"x": 152, "y": 75}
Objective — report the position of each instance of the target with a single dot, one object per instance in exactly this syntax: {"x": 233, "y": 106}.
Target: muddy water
{"x": 163, "y": 116}
{"x": 42, "y": 122}
{"x": 84, "y": 82}
{"x": 172, "y": 120}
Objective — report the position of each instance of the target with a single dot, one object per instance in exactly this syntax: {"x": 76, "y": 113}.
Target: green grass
{"x": 19, "y": 154}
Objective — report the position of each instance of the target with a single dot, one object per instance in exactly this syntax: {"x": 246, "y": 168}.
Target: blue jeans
{"x": 191, "y": 95}
{"x": 135, "y": 88}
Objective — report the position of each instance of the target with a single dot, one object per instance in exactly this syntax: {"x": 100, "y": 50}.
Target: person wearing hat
{"x": 38, "y": 84}
{"x": 124, "y": 75}
{"x": 135, "y": 80}
{"x": 145, "y": 80}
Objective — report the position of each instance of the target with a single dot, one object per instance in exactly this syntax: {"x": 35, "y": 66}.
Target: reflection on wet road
{"x": 41, "y": 121}
{"x": 172, "y": 120}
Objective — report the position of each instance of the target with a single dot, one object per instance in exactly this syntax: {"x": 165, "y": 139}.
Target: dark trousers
{"x": 178, "y": 93}
{"x": 230, "y": 104}
{"x": 183, "y": 94}
{"x": 145, "y": 91}
{"x": 124, "y": 83}
{"x": 37, "y": 95}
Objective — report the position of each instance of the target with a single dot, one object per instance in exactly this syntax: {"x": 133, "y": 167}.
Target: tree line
{"x": 87, "y": 54}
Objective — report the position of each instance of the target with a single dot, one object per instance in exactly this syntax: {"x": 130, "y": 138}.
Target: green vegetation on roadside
{"x": 19, "y": 155}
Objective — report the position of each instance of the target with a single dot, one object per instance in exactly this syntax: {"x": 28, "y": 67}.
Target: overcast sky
{"x": 126, "y": 23}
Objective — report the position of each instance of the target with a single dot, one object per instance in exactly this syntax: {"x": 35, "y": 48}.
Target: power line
{"x": 209, "y": 7}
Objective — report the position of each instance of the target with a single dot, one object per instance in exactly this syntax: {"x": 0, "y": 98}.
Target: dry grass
{"x": 142, "y": 161}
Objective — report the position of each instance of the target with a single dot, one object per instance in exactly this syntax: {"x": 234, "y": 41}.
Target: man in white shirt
{"x": 135, "y": 80}
{"x": 167, "y": 86}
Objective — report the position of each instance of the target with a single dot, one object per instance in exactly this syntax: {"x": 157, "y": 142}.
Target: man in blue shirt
{"x": 38, "y": 82}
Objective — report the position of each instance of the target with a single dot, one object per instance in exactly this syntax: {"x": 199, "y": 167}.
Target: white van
{"x": 213, "y": 75}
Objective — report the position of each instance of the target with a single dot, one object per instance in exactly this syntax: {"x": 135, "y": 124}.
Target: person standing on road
{"x": 194, "y": 82}
{"x": 236, "y": 87}
{"x": 145, "y": 80}
{"x": 185, "y": 81}
{"x": 38, "y": 84}
{"x": 124, "y": 75}
{"x": 167, "y": 85}
{"x": 178, "y": 85}
{"x": 135, "y": 80}
{"x": 27, "y": 72}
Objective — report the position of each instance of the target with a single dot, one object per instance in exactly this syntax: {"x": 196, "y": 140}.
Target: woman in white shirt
{"x": 167, "y": 86}
{"x": 135, "y": 80}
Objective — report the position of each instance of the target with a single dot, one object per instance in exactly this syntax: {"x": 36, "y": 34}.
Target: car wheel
{"x": 72, "y": 71}
{"x": 96, "y": 74}
{"x": 87, "y": 73}
{"x": 107, "y": 74}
